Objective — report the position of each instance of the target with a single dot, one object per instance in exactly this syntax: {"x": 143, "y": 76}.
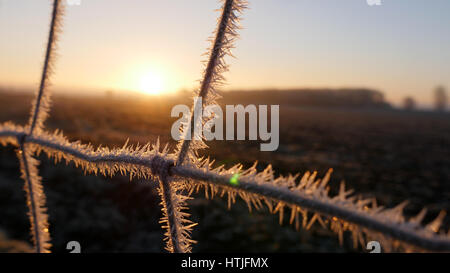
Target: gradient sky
{"x": 401, "y": 48}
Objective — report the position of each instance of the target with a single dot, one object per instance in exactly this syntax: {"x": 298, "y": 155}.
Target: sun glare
{"x": 152, "y": 84}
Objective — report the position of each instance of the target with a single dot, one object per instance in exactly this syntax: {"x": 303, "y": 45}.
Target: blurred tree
{"x": 440, "y": 95}
{"x": 109, "y": 93}
{"x": 409, "y": 104}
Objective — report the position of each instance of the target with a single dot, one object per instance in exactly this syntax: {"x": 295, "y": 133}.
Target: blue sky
{"x": 401, "y": 47}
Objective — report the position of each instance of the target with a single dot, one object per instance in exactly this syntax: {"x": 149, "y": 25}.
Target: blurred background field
{"x": 393, "y": 155}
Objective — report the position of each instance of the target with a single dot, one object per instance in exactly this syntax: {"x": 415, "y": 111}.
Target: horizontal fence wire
{"x": 141, "y": 163}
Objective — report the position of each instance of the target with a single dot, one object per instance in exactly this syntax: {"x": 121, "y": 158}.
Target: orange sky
{"x": 400, "y": 48}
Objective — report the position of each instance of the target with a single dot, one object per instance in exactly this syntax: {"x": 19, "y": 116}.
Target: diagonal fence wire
{"x": 28, "y": 164}
{"x": 35, "y": 199}
{"x": 172, "y": 195}
{"x": 303, "y": 197}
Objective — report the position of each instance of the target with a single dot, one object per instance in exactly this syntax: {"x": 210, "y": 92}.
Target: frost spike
{"x": 436, "y": 224}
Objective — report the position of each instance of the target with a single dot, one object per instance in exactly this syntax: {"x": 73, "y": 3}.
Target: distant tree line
{"x": 366, "y": 98}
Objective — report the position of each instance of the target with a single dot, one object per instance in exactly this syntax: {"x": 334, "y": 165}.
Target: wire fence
{"x": 181, "y": 172}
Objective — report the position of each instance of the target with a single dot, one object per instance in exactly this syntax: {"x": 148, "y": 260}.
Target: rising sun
{"x": 151, "y": 83}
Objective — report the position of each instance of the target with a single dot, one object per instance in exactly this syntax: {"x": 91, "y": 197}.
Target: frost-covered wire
{"x": 35, "y": 199}
{"x": 174, "y": 218}
{"x": 28, "y": 164}
{"x": 303, "y": 197}
{"x": 41, "y": 105}
{"x": 171, "y": 193}
{"x": 343, "y": 212}
{"x": 222, "y": 43}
